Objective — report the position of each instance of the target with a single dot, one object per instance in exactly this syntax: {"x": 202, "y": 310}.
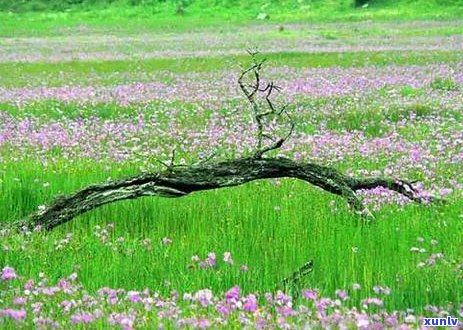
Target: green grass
{"x": 271, "y": 228}
{"x": 116, "y": 71}
{"x": 445, "y": 84}
{"x": 244, "y": 221}
{"x": 43, "y": 19}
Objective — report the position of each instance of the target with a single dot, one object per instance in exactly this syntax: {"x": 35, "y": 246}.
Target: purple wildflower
{"x": 8, "y": 273}
{"x": 82, "y": 318}
{"x": 166, "y": 241}
{"x": 310, "y": 294}
{"x": 228, "y": 258}
{"x": 19, "y": 300}
{"x": 203, "y": 323}
{"x": 134, "y": 296}
{"x": 15, "y": 314}
{"x": 233, "y": 294}
{"x": 244, "y": 268}
{"x": 372, "y": 301}
{"x": 342, "y": 294}
{"x": 211, "y": 259}
{"x": 204, "y": 297}
{"x": 223, "y": 309}
{"x": 250, "y": 304}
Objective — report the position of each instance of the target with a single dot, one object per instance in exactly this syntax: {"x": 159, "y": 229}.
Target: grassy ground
{"x": 119, "y": 17}
{"x": 270, "y": 227}
{"x": 272, "y": 230}
{"x": 115, "y": 71}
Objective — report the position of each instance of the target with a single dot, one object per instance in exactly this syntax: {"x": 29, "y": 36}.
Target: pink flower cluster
{"x": 201, "y": 309}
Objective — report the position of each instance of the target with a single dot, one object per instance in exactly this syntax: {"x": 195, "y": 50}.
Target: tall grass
{"x": 272, "y": 227}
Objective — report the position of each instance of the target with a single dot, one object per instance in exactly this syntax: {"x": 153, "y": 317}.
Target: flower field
{"x": 369, "y": 99}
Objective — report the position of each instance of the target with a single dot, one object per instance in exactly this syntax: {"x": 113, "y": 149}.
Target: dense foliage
{"x": 60, "y": 5}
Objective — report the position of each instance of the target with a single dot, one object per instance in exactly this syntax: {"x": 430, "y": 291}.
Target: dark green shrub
{"x": 359, "y": 3}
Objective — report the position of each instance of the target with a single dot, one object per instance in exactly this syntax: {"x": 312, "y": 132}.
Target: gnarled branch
{"x": 181, "y": 181}
{"x": 260, "y": 115}
{"x": 178, "y": 181}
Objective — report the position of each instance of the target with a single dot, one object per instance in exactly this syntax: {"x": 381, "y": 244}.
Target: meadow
{"x": 81, "y": 104}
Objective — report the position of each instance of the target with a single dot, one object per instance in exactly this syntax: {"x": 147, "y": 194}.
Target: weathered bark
{"x": 292, "y": 283}
{"x": 183, "y": 180}
{"x": 179, "y": 181}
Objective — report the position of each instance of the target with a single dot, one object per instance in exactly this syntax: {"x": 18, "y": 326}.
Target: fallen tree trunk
{"x": 182, "y": 180}
{"x": 178, "y": 181}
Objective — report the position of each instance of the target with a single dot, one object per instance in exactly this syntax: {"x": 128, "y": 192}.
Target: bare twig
{"x": 171, "y": 164}
{"x": 292, "y": 283}
{"x": 205, "y": 159}
{"x": 260, "y": 115}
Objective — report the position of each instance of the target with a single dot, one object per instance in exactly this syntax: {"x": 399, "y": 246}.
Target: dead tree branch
{"x": 292, "y": 283}
{"x": 259, "y": 114}
{"x": 181, "y": 180}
